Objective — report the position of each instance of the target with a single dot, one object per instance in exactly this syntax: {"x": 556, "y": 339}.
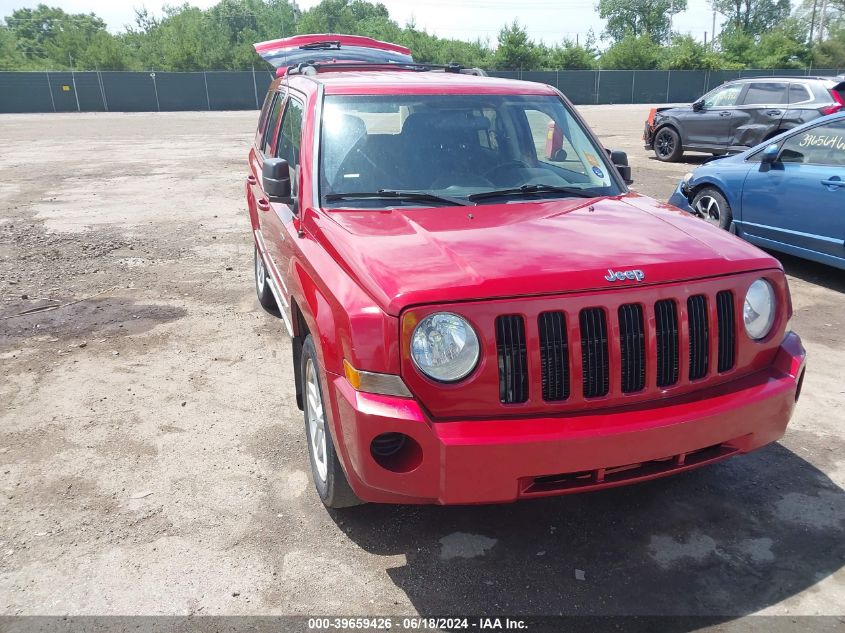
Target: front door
{"x": 712, "y": 125}
{"x": 800, "y": 199}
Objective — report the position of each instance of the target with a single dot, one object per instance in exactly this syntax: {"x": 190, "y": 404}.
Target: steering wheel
{"x": 507, "y": 165}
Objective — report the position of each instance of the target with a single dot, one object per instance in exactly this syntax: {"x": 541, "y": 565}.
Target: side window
{"x": 290, "y": 140}
{"x": 262, "y": 119}
{"x": 291, "y": 136}
{"x": 272, "y": 124}
{"x": 822, "y": 145}
{"x": 798, "y": 93}
{"x": 550, "y": 142}
{"x": 722, "y": 97}
{"x": 768, "y": 93}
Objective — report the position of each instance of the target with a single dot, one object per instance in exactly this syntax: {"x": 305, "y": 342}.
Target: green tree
{"x": 632, "y": 53}
{"x": 573, "y": 56}
{"x": 831, "y": 52}
{"x": 753, "y": 17}
{"x": 686, "y": 53}
{"x": 639, "y": 17}
{"x": 516, "y": 51}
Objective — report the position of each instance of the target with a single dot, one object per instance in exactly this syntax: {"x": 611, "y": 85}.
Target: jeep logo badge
{"x": 622, "y": 275}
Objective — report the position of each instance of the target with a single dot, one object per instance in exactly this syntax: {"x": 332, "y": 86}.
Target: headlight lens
{"x": 759, "y": 309}
{"x": 444, "y": 347}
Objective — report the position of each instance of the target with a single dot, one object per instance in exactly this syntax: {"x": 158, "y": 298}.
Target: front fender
{"x": 344, "y": 320}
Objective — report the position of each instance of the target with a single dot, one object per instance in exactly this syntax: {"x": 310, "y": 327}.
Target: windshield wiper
{"x": 395, "y": 194}
{"x": 530, "y": 190}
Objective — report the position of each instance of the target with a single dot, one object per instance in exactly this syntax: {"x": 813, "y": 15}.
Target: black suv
{"x": 741, "y": 114}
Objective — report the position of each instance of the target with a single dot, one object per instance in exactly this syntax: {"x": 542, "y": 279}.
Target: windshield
{"x": 456, "y": 147}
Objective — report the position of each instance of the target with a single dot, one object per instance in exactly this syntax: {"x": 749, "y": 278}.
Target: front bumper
{"x": 679, "y": 198}
{"x": 648, "y": 135}
{"x": 501, "y": 460}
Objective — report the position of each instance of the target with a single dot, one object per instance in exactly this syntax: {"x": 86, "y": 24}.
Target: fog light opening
{"x": 396, "y": 452}
{"x": 800, "y": 384}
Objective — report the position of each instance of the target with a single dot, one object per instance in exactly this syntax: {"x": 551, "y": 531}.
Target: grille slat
{"x": 666, "y": 321}
{"x": 727, "y": 330}
{"x": 594, "y": 352}
{"x": 632, "y": 346}
{"x": 512, "y": 359}
{"x": 554, "y": 356}
{"x": 699, "y": 337}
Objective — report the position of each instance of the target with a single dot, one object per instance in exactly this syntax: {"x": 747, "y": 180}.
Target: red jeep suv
{"x": 481, "y": 311}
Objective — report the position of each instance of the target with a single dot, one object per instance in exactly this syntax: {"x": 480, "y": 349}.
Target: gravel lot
{"x": 153, "y": 461}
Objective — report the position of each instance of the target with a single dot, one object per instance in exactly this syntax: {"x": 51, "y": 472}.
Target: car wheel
{"x": 262, "y": 285}
{"x": 710, "y": 205}
{"x": 329, "y": 478}
{"x": 667, "y": 145}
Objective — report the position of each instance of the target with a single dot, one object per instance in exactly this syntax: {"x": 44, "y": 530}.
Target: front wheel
{"x": 329, "y": 478}
{"x": 667, "y": 145}
{"x": 710, "y": 205}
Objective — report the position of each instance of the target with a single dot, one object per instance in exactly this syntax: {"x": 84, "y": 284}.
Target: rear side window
{"x": 798, "y": 93}
{"x": 821, "y": 145}
{"x": 768, "y": 93}
{"x": 272, "y": 124}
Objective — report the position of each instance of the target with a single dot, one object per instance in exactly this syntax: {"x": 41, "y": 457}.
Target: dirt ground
{"x": 153, "y": 461}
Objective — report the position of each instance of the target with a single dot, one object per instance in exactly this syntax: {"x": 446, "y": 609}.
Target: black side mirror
{"x": 620, "y": 161}
{"x": 275, "y": 180}
{"x": 698, "y": 106}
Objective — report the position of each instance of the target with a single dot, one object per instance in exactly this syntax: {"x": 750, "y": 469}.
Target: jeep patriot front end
{"x": 481, "y": 311}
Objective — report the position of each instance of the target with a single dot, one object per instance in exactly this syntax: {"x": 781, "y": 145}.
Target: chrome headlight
{"x": 444, "y": 347}
{"x": 759, "y": 309}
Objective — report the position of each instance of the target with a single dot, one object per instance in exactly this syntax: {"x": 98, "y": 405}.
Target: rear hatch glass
{"x": 328, "y": 48}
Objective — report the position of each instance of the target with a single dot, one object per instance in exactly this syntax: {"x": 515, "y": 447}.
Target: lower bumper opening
{"x": 617, "y": 475}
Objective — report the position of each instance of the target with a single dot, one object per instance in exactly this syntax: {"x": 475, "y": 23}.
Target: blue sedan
{"x": 787, "y": 194}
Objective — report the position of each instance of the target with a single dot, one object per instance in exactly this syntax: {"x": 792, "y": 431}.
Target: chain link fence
{"x": 114, "y": 91}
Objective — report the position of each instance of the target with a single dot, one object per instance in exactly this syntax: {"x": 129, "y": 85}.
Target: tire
{"x": 710, "y": 205}
{"x": 262, "y": 286}
{"x": 667, "y": 145}
{"x": 326, "y": 471}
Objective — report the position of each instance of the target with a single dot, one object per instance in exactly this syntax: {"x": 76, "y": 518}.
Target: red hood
{"x": 413, "y": 256}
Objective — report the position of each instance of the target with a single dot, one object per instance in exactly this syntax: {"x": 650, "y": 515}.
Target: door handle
{"x": 724, "y": 114}
{"x": 834, "y": 182}
{"x": 252, "y": 180}
{"x": 773, "y": 112}
{"x": 263, "y": 204}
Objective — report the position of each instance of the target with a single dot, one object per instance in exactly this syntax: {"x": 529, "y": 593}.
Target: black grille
{"x": 727, "y": 331}
{"x": 666, "y": 325}
{"x": 699, "y": 340}
{"x": 594, "y": 355}
{"x": 513, "y": 362}
{"x": 632, "y": 345}
{"x": 554, "y": 356}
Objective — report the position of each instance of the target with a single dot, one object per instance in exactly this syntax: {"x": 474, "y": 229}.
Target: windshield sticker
{"x": 823, "y": 140}
{"x": 591, "y": 158}
{"x": 598, "y": 172}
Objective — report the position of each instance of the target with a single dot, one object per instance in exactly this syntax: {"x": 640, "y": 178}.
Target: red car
{"x": 481, "y": 311}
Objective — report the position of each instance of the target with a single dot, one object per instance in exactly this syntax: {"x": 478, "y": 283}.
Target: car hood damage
{"x": 413, "y": 256}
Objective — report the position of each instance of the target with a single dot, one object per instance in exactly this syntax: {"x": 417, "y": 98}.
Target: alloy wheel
{"x": 665, "y": 144}
{"x": 316, "y": 421}
{"x": 260, "y": 273}
{"x": 707, "y": 207}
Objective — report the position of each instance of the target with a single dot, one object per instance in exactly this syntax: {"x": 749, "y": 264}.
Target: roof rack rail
{"x": 312, "y": 68}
